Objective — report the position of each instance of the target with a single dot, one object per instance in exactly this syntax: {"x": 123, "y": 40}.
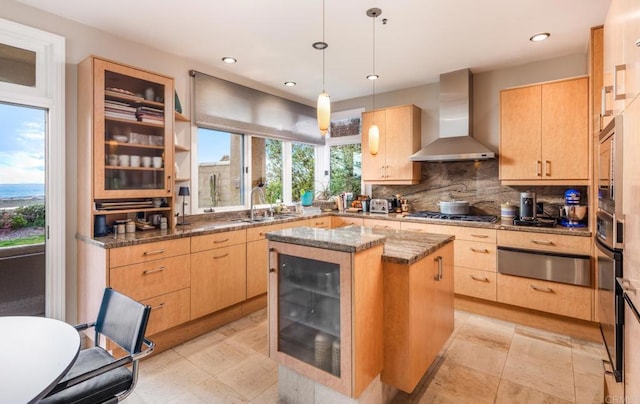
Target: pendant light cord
{"x": 374, "y": 60}
{"x": 323, "y": 12}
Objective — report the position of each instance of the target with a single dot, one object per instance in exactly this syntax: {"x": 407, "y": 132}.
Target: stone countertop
{"x": 202, "y": 227}
{"x": 402, "y": 247}
{"x": 572, "y": 231}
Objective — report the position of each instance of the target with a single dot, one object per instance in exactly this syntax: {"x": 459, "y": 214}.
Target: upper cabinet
{"x": 400, "y": 129}
{"x": 544, "y": 135}
{"x": 125, "y": 142}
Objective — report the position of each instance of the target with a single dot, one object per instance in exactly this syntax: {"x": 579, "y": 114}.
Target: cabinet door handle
{"x": 539, "y": 289}
{"x": 377, "y": 226}
{"x": 616, "y": 69}
{"x": 603, "y": 104}
{"x": 479, "y": 235}
{"x": 547, "y": 168}
{"x": 154, "y": 252}
{"x": 386, "y": 171}
{"x": 479, "y": 279}
{"x": 215, "y": 257}
{"x": 381, "y": 171}
{"x": 153, "y": 271}
{"x": 542, "y": 242}
{"x": 271, "y": 250}
{"x": 438, "y": 276}
{"x": 220, "y": 241}
{"x": 539, "y": 165}
{"x": 479, "y": 250}
{"x": 160, "y": 306}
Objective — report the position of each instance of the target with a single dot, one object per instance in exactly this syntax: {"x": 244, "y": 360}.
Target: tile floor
{"x": 485, "y": 360}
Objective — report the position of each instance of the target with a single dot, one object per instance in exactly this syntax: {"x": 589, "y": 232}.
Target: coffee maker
{"x": 528, "y": 206}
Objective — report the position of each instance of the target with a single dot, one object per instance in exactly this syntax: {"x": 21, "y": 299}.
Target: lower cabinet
{"x": 326, "y": 314}
{"x": 218, "y": 278}
{"x": 168, "y": 310}
{"x": 258, "y": 259}
{"x": 418, "y": 316}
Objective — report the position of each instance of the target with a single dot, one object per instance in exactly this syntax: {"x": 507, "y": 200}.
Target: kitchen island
{"x": 354, "y": 309}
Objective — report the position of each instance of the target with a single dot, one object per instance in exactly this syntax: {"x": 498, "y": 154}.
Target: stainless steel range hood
{"x": 455, "y": 142}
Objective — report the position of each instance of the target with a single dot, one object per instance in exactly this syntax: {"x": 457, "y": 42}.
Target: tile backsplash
{"x": 473, "y": 181}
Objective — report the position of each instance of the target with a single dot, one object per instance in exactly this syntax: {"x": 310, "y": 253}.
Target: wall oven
{"x": 609, "y": 244}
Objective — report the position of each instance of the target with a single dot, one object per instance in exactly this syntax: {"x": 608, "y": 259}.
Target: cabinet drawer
{"x": 153, "y": 278}
{"x": 475, "y": 234}
{"x": 323, "y": 222}
{"x": 168, "y": 310}
{"x": 147, "y": 252}
{"x": 475, "y": 283}
{"x": 341, "y": 221}
{"x": 421, "y": 227}
{"x": 557, "y": 298}
{"x": 217, "y": 240}
{"x": 472, "y": 254}
{"x": 381, "y": 223}
{"x": 257, "y": 233}
{"x": 545, "y": 242}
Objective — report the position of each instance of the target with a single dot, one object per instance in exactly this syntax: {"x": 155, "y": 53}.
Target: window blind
{"x": 223, "y": 105}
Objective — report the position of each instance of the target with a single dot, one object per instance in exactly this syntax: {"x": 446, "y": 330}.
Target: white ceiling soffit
{"x": 272, "y": 38}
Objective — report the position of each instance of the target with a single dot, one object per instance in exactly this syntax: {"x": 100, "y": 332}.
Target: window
{"x": 302, "y": 170}
{"x": 269, "y": 153}
{"x": 220, "y": 168}
{"x": 345, "y": 167}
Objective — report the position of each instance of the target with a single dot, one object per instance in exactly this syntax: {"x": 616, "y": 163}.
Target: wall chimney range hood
{"x": 455, "y": 142}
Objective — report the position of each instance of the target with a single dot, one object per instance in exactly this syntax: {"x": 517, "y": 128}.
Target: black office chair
{"x": 97, "y": 376}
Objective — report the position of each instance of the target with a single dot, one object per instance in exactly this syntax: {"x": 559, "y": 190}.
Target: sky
{"x": 22, "y": 140}
{"x": 212, "y": 145}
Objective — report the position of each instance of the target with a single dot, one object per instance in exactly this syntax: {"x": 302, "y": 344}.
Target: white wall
{"x": 82, "y": 41}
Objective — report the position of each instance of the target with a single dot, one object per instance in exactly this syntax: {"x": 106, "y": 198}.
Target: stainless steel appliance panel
{"x": 609, "y": 231}
{"x": 610, "y": 304}
{"x": 563, "y": 268}
{"x": 609, "y": 169}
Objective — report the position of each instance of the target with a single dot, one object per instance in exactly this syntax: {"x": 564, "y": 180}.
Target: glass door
{"x": 22, "y": 209}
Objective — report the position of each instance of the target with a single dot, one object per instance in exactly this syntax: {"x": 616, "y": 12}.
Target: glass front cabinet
{"x": 315, "y": 308}
{"x": 125, "y": 140}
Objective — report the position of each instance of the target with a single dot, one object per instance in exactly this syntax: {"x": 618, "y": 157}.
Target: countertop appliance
{"x": 572, "y": 213}
{"x": 610, "y": 244}
{"x": 426, "y": 214}
{"x": 527, "y": 206}
{"x": 380, "y": 206}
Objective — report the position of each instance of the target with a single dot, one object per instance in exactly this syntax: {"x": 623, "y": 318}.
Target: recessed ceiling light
{"x": 373, "y": 77}
{"x": 229, "y": 60}
{"x": 289, "y": 83}
{"x": 540, "y": 37}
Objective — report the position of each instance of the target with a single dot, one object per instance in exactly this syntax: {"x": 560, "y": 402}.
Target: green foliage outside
{"x": 23, "y": 216}
{"x": 273, "y": 185}
{"x": 303, "y": 170}
{"x": 39, "y": 239}
{"x": 345, "y": 166}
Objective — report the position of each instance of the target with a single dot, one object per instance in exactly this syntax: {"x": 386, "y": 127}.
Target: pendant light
{"x": 324, "y": 102}
{"x": 374, "y": 131}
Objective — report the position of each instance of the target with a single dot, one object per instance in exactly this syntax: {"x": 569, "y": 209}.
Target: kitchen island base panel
{"x": 294, "y": 388}
{"x": 582, "y": 329}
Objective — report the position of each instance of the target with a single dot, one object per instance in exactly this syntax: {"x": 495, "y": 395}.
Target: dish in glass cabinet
{"x": 120, "y": 138}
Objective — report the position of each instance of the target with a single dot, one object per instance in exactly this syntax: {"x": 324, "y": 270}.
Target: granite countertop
{"x": 402, "y": 247}
{"x": 209, "y": 226}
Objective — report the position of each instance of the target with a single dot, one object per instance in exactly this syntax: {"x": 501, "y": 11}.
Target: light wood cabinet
{"x": 341, "y": 221}
{"x": 596, "y": 64}
{"x": 400, "y": 137}
{"x": 125, "y": 142}
{"x": 326, "y": 314}
{"x": 381, "y": 224}
{"x": 258, "y": 259}
{"x": 218, "y": 274}
{"x": 544, "y": 133}
{"x": 545, "y": 242}
{"x": 418, "y": 316}
{"x": 156, "y": 274}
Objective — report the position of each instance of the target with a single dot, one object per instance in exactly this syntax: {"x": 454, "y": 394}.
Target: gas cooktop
{"x": 425, "y": 214}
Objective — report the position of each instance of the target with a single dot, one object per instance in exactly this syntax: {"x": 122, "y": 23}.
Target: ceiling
{"x": 272, "y": 38}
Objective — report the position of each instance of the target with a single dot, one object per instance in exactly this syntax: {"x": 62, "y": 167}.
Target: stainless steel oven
{"x": 610, "y": 243}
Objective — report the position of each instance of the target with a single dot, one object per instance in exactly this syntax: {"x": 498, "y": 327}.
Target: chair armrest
{"x": 84, "y": 326}
{"x": 91, "y": 374}
{"x": 150, "y": 347}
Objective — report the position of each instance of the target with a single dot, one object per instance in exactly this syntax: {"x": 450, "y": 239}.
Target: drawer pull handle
{"x": 153, "y": 271}
{"x": 539, "y": 172}
{"x": 607, "y": 371}
{"x": 220, "y": 241}
{"x": 377, "y": 226}
{"x": 542, "y": 242}
{"x": 479, "y": 235}
{"x": 479, "y": 278}
{"x": 539, "y": 289}
{"x": 547, "y": 170}
{"x": 479, "y": 250}
{"x": 160, "y": 306}
{"x": 215, "y": 257}
{"x": 154, "y": 252}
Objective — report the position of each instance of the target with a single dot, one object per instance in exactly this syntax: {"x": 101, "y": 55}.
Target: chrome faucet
{"x": 260, "y": 195}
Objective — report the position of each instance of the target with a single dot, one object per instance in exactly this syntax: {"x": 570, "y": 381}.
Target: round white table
{"x": 35, "y": 352}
